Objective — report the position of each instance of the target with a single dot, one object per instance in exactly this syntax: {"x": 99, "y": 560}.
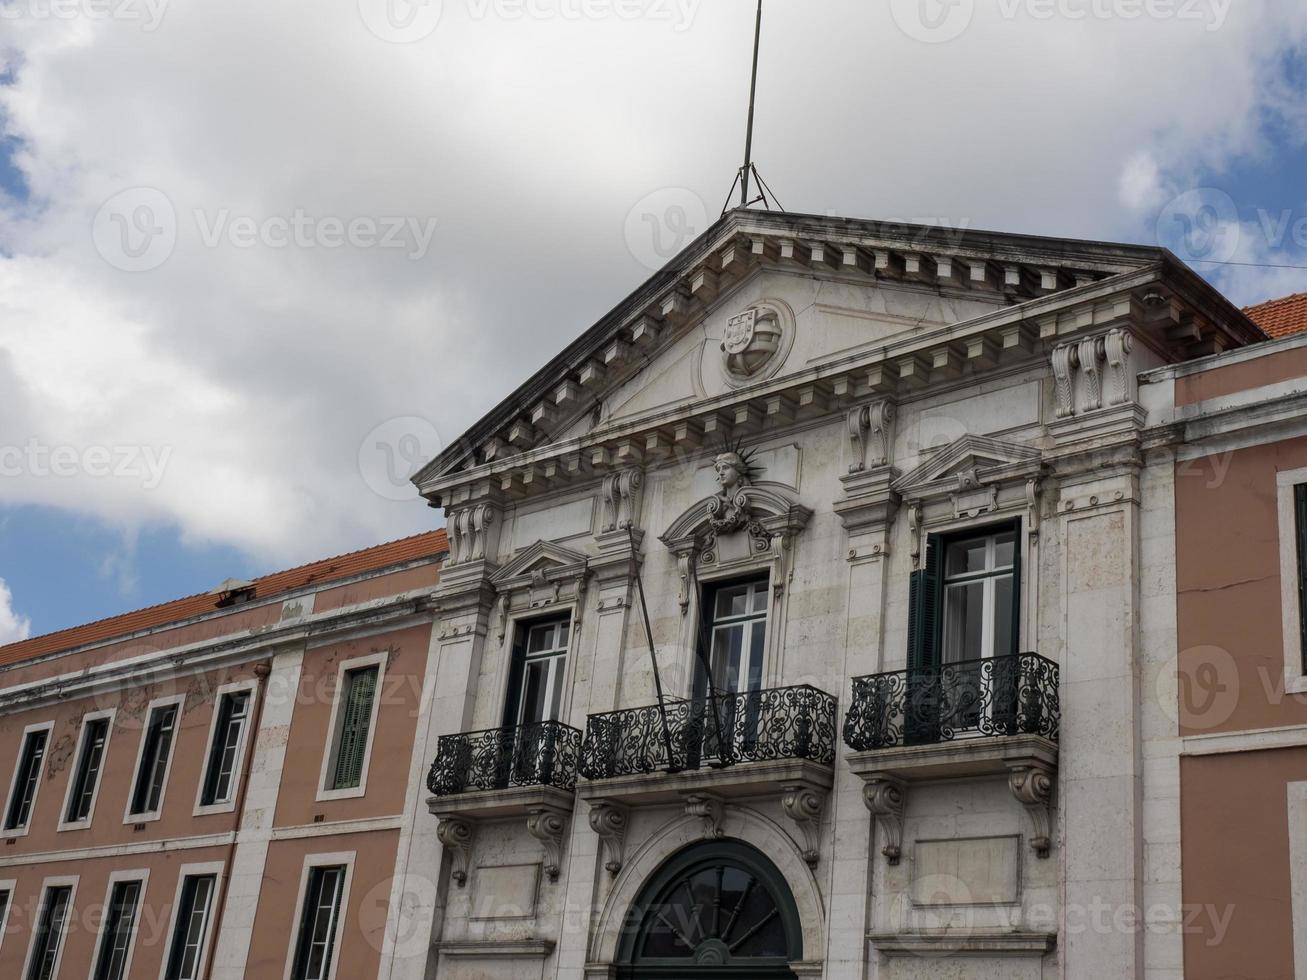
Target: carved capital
{"x": 548, "y": 825}
{"x": 804, "y": 805}
{"x": 871, "y": 432}
{"x": 1032, "y": 785}
{"x": 710, "y": 810}
{"x": 609, "y": 820}
{"x": 621, "y": 496}
{"x": 469, "y": 533}
{"x": 458, "y": 835}
{"x": 885, "y": 797}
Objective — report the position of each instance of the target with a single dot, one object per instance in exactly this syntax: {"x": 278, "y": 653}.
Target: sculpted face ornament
{"x": 730, "y": 511}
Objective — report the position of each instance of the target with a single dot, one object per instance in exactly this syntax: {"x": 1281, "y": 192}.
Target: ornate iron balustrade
{"x": 1012, "y": 695}
{"x": 541, "y": 754}
{"x": 753, "y": 726}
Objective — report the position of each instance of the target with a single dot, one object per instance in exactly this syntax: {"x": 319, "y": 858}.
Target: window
{"x": 1300, "y": 526}
{"x": 117, "y": 930}
{"x": 6, "y": 902}
{"x": 219, "y": 785}
{"x": 315, "y": 945}
{"x": 979, "y": 597}
{"x": 353, "y": 718}
{"x": 156, "y": 756}
{"x": 86, "y": 776}
{"x": 535, "y": 686}
{"x": 27, "y": 779}
{"x": 1291, "y": 518}
{"x": 47, "y": 941}
{"x": 735, "y": 635}
{"x": 191, "y": 924}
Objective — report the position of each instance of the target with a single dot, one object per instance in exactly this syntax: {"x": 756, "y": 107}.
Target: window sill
{"x": 742, "y": 779}
{"x": 328, "y": 795}
{"x": 15, "y": 832}
{"x": 79, "y": 825}
{"x": 133, "y": 818}
{"x": 214, "y": 809}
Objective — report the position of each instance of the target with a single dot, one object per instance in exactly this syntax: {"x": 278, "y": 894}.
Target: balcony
{"x": 998, "y": 716}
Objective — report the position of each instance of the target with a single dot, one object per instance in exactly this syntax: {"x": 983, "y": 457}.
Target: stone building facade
{"x": 897, "y": 507}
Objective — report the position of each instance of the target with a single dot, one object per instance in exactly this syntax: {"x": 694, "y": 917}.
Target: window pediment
{"x": 969, "y": 464}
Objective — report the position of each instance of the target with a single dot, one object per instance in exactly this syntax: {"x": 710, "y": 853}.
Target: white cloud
{"x": 261, "y": 369}
{"x": 13, "y": 627}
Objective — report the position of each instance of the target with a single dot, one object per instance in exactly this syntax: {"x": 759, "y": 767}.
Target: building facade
{"x": 897, "y": 508}
{"x": 219, "y": 787}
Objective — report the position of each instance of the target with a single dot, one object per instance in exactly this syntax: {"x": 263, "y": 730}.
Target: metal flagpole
{"x": 653, "y": 655}
{"x": 753, "y": 93}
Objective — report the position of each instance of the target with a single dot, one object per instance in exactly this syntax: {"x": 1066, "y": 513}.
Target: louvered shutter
{"x": 1010, "y": 715}
{"x": 921, "y": 705}
{"x": 354, "y": 728}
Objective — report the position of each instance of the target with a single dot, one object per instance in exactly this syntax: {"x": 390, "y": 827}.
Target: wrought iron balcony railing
{"x": 1012, "y": 695}
{"x": 753, "y": 726}
{"x": 541, "y": 754}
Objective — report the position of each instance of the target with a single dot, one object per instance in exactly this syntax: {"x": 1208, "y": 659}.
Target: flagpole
{"x": 653, "y": 654}
{"x": 753, "y": 94}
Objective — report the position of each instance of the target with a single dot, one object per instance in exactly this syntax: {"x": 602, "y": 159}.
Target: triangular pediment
{"x": 968, "y": 455}
{"x": 542, "y": 559}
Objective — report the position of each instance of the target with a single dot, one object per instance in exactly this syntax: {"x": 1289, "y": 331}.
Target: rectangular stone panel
{"x": 505, "y": 892}
{"x": 967, "y": 871}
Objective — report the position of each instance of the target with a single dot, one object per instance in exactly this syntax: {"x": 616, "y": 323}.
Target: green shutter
{"x": 362, "y": 686}
{"x": 921, "y": 700}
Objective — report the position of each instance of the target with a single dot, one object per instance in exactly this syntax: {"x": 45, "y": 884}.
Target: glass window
{"x": 737, "y": 634}
{"x": 318, "y": 921}
{"x": 87, "y": 775}
{"x": 979, "y": 602}
{"x": 219, "y": 778}
{"x": 541, "y": 696}
{"x": 191, "y": 926}
{"x": 116, "y": 933}
{"x": 49, "y": 936}
{"x": 357, "y": 695}
{"x": 26, "y": 780}
{"x": 147, "y": 796}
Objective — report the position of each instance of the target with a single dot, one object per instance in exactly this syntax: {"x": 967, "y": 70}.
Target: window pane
{"x": 189, "y": 932}
{"x": 964, "y": 616}
{"x": 1004, "y": 549}
{"x": 965, "y": 557}
{"x": 1003, "y": 616}
{"x": 88, "y": 770}
{"x": 119, "y": 920}
{"x": 27, "y": 780}
{"x": 315, "y": 947}
{"x": 533, "y": 691}
{"x": 49, "y": 935}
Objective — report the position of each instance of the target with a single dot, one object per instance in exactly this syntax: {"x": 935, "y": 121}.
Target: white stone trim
{"x": 312, "y": 861}
{"x": 379, "y": 661}
{"x": 120, "y": 850}
{"x": 215, "y": 868}
{"x": 72, "y": 882}
{"x": 48, "y": 728}
{"x": 1253, "y": 740}
{"x": 143, "y": 876}
{"x": 337, "y": 828}
{"x": 7, "y": 888}
{"x": 179, "y": 700}
{"x": 64, "y": 824}
{"x": 1297, "y": 801}
{"x": 1295, "y": 679}
{"x": 238, "y": 773}
{"x": 1211, "y": 362}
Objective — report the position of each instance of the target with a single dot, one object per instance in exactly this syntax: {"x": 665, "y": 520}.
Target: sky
{"x": 260, "y": 261}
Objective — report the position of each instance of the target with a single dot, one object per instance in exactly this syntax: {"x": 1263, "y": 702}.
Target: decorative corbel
{"x": 1090, "y": 353}
{"x": 1065, "y": 360}
{"x": 1118, "y": 346}
{"x": 709, "y": 809}
{"x": 914, "y": 527}
{"x": 783, "y": 560}
{"x": 458, "y": 836}
{"x": 884, "y": 796}
{"x": 548, "y": 825}
{"x": 609, "y": 820}
{"x": 683, "y": 561}
{"x": 803, "y": 805}
{"x": 620, "y": 492}
{"x": 505, "y": 602}
{"x": 1033, "y": 491}
{"x": 871, "y": 431}
{"x": 582, "y": 587}
{"x": 1032, "y": 785}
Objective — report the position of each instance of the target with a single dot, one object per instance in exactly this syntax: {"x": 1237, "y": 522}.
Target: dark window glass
{"x": 147, "y": 797}
{"x": 219, "y": 779}
{"x": 358, "y": 692}
{"x": 26, "y": 780}
{"x": 318, "y": 924}
{"x": 1300, "y": 510}
{"x": 736, "y": 633}
{"x": 116, "y": 933}
{"x": 49, "y": 932}
{"x": 87, "y": 775}
{"x": 192, "y": 924}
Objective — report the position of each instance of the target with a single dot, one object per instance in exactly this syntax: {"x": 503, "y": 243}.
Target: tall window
{"x": 1300, "y": 516}
{"x": 979, "y": 597}
{"x": 86, "y": 777}
{"x": 192, "y": 924}
{"x": 116, "y": 933}
{"x": 147, "y": 795}
{"x": 220, "y": 775}
{"x": 315, "y": 946}
{"x": 27, "y": 780}
{"x": 735, "y": 634}
{"x": 48, "y": 939}
{"x": 536, "y": 683}
{"x": 358, "y": 693}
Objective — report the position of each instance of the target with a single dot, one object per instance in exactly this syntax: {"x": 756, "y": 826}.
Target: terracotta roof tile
{"x": 1281, "y": 317}
{"x": 429, "y": 545}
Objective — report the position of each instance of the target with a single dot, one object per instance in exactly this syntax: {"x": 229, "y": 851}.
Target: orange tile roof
{"x": 1281, "y": 317}
{"x": 429, "y": 545}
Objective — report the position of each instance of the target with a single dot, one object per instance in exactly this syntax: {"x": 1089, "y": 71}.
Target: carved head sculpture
{"x": 732, "y": 471}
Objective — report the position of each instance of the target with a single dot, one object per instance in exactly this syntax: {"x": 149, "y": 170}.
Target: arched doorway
{"x": 719, "y": 909}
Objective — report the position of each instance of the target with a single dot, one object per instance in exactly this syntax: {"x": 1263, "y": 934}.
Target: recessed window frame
{"x": 142, "y": 877}
{"x": 215, "y": 870}
{"x": 311, "y": 861}
{"x": 250, "y": 688}
{"x": 158, "y": 704}
{"x": 336, "y": 723}
{"x": 8, "y": 887}
{"x": 1293, "y": 578}
{"x": 74, "y": 775}
{"x": 47, "y": 886}
{"x": 22, "y": 831}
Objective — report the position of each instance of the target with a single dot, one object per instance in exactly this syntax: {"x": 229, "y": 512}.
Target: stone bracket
{"x": 458, "y": 835}
{"x": 548, "y": 825}
{"x": 804, "y": 805}
{"x": 1032, "y": 785}
{"x": 609, "y": 820}
{"x": 710, "y": 810}
{"x": 885, "y": 797}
